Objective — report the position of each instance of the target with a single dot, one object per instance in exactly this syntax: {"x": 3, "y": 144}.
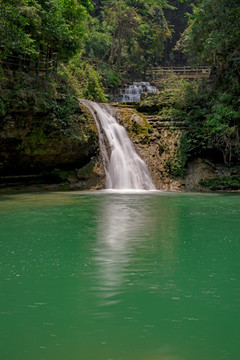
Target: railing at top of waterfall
{"x": 181, "y": 71}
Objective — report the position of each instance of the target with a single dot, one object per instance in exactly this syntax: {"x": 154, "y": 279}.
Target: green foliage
{"x": 213, "y": 32}
{"x": 127, "y": 35}
{"x": 84, "y": 79}
{"x": 15, "y": 18}
{"x": 111, "y": 77}
{"x": 169, "y": 102}
{"x": 224, "y": 183}
{"x": 29, "y": 27}
{"x": 63, "y": 111}
{"x": 212, "y": 111}
{"x": 177, "y": 157}
{"x": 119, "y": 37}
{"x": 2, "y": 107}
{"x": 213, "y": 122}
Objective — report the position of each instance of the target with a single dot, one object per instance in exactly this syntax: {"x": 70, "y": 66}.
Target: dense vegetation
{"x": 31, "y": 27}
{"x": 93, "y": 45}
{"x": 115, "y": 37}
{"x": 127, "y": 36}
{"x": 213, "y": 109}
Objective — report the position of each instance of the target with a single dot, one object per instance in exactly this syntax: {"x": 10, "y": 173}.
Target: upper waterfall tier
{"x": 124, "y": 169}
{"x": 133, "y": 92}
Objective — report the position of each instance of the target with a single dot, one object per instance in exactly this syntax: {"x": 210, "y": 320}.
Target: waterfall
{"x": 133, "y": 92}
{"x": 124, "y": 168}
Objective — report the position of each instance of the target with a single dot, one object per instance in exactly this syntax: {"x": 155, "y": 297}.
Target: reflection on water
{"x": 127, "y": 227}
{"x": 26, "y": 201}
{"x": 121, "y": 228}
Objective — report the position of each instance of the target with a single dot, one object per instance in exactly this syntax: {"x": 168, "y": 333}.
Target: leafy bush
{"x": 224, "y": 183}
{"x": 110, "y": 77}
{"x": 84, "y": 79}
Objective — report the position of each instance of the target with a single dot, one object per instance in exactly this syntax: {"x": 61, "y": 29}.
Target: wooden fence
{"x": 43, "y": 65}
{"x": 184, "y": 71}
{"x": 40, "y": 66}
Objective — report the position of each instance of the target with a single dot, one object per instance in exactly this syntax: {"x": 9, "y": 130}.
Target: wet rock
{"x": 198, "y": 170}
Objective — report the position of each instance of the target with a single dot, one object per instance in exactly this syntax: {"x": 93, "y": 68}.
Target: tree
{"x": 213, "y": 38}
{"x": 128, "y": 34}
{"x": 17, "y": 19}
{"x": 214, "y": 31}
{"x": 30, "y": 27}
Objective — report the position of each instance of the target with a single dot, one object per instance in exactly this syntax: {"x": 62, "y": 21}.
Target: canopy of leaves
{"x": 29, "y": 27}
{"x": 128, "y": 34}
{"x": 214, "y": 31}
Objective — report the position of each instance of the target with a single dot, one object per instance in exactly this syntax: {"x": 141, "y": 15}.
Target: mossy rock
{"x": 85, "y": 173}
{"x": 135, "y": 123}
{"x": 154, "y": 102}
{"x": 44, "y": 127}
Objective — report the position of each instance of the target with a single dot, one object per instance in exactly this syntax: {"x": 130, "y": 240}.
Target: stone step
{"x": 152, "y": 121}
{"x": 124, "y": 104}
{"x": 172, "y": 125}
{"x": 168, "y": 123}
{"x": 156, "y": 118}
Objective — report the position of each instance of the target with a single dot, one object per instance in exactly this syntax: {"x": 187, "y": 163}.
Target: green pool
{"x": 104, "y": 276}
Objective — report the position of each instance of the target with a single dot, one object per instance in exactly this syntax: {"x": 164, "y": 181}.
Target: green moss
{"x": 175, "y": 164}
{"x": 136, "y": 125}
{"x": 174, "y": 149}
{"x": 34, "y": 143}
{"x": 86, "y": 171}
{"x": 39, "y": 152}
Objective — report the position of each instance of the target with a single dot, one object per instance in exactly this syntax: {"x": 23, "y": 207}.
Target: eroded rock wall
{"x": 158, "y": 148}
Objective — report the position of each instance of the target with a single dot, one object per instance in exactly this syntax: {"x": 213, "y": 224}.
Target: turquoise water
{"x": 104, "y": 276}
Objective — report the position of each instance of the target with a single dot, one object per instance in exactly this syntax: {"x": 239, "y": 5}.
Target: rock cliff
{"x": 46, "y": 136}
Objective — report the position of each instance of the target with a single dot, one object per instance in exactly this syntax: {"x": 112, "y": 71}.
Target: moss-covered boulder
{"x": 153, "y": 103}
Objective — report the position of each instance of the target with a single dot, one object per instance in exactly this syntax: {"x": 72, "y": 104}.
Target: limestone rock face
{"x": 156, "y": 147}
{"x": 198, "y": 170}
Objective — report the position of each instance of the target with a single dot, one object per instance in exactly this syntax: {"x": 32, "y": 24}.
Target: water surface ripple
{"x": 113, "y": 276}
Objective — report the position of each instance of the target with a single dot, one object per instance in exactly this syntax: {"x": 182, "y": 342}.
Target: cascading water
{"x": 133, "y": 92}
{"x": 124, "y": 168}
